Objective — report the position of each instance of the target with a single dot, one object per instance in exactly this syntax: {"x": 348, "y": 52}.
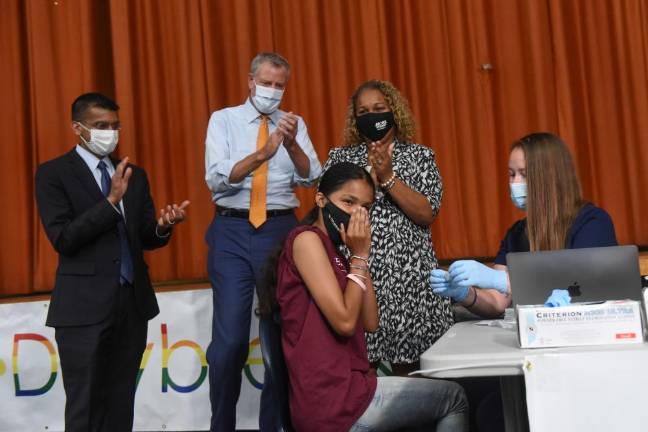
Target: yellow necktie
{"x": 259, "y": 181}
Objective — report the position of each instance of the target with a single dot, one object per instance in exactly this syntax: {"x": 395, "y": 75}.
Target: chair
{"x": 273, "y": 360}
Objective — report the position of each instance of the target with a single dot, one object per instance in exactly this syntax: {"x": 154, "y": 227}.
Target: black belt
{"x": 245, "y": 214}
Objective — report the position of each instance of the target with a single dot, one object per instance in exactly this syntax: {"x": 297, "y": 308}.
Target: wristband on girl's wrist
{"x": 357, "y": 279}
{"x": 365, "y": 259}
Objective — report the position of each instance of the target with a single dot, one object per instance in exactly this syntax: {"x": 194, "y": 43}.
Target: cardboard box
{"x": 608, "y": 323}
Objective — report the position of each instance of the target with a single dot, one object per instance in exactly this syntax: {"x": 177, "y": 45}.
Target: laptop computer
{"x": 591, "y": 274}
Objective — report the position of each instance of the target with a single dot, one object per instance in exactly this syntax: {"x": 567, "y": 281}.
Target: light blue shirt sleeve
{"x": 307, "y": 146}
{"x": 218, "y": 159}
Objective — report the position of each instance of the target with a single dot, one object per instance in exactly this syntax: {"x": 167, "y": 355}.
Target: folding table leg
{"x": 514, "y": 401}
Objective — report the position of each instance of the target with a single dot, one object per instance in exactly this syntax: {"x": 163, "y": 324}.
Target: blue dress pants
{"x": 236, "y": 262}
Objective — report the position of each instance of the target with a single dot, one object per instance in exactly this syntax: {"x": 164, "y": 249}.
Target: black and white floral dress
{"x": 412, "y": 317}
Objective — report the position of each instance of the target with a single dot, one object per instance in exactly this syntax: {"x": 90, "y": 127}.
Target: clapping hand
{"x": 272, "y": 145}
{"x": 171, "y": 215}
{"x": 379, "y": 156}
{"x": 285, "y": 133}
{"x": 119, "y": 182}
{"x": 288, "y": 127}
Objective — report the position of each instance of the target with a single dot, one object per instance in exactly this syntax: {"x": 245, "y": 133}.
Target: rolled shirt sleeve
{"x": 306, "y": 145}
{"x": 218, "y": 155}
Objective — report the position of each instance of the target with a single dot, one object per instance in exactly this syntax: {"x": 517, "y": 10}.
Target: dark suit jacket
{"x": 82, "y": 226}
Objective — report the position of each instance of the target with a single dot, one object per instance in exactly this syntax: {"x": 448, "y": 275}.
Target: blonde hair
{"x": 405, "y": 124}
{"x": 553, "y": 190}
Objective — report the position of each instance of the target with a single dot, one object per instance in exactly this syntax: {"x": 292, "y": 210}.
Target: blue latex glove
{"x": 467, "y": 273}
{"x": 442, "y": 285}
{"x": 558, "y": 297}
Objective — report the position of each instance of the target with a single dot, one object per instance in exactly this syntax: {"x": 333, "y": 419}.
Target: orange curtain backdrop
{"x": 601, "y": 67}
{"x": 478, "y": 74}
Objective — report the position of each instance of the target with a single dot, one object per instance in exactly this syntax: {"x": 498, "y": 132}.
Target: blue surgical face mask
{"x": 519, "y": 195}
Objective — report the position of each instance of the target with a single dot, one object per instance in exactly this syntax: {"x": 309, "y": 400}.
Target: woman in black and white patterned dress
{"x": 378, "y": 134}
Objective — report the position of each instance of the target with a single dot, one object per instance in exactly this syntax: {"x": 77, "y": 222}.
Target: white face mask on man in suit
{"x": 102, "y": 141}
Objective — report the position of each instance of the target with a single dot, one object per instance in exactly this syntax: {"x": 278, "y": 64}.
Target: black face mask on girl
{"x": 333, "y": 217}
{"x": 375, "y": 126}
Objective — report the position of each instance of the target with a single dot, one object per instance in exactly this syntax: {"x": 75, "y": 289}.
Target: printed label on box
{"x": 581, "y": 324}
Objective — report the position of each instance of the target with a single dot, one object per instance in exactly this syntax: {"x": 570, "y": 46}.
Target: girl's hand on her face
{"x": 357, "y": 236}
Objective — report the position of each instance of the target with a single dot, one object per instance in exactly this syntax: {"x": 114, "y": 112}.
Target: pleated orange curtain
{"x": 478, "y": 74}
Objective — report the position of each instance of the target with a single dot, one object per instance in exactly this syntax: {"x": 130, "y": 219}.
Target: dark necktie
{"x": 126, "y": 270}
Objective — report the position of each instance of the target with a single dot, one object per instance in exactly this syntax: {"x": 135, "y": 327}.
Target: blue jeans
{"x": 236, "y": 260}
{"x": 417, "y": 404}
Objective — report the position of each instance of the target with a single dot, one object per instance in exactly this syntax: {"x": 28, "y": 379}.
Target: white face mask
{"x": 267, "y": 99}
{"x": 519, "y": 195}
{"x": 102, "y": 142}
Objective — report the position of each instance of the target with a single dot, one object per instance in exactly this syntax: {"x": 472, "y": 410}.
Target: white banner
{"x": 173, "y": 387}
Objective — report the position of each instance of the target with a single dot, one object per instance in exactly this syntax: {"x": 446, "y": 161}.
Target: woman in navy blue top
{"x": 543, "y": 182}
{"x": 592, "y": 227}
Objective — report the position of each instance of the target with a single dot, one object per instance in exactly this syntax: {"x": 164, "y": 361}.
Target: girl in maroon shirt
{"x": 326, "y": 303}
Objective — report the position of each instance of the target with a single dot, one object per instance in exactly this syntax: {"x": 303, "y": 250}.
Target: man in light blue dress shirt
{"x": 235, "y": 151}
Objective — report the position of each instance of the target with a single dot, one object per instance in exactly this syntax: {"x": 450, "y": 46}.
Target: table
{"x": 470, "y": 350}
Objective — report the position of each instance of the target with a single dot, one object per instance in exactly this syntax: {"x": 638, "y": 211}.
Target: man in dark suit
{"x": 99, "y": 215}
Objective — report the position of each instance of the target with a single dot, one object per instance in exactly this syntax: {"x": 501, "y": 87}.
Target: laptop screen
{"x": 591, "y": 274}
